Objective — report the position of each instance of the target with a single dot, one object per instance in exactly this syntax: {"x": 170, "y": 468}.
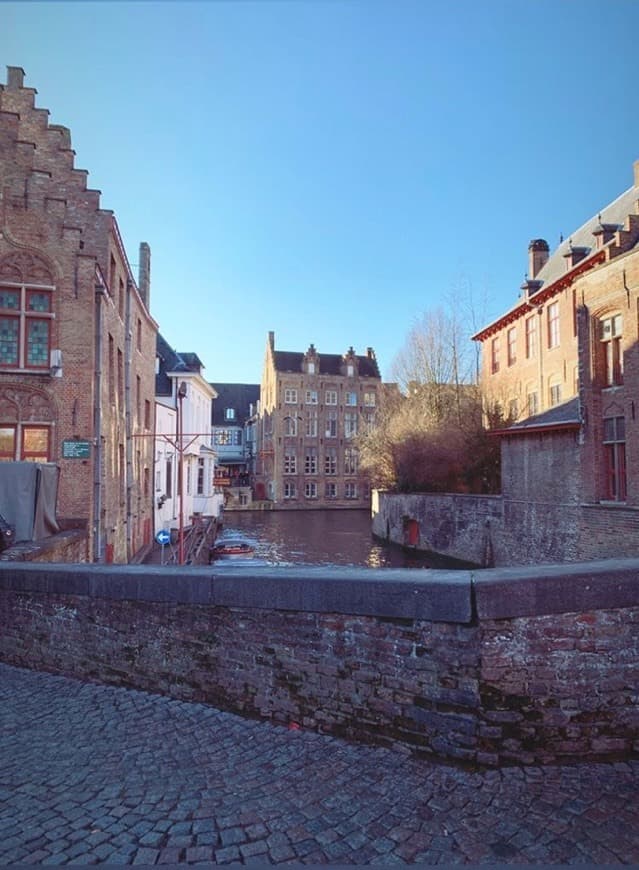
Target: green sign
{"x": 76, "y": 449}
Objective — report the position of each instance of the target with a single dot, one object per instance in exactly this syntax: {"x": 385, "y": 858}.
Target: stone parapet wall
{"x": 495, "y": 667}
{"x": 502, "y": 530}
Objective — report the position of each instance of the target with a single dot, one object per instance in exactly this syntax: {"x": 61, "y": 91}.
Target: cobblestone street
{"x": 91, "y": 774}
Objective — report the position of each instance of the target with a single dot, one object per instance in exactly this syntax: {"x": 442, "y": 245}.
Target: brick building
{"x": 312, "y": 407}
{"x": 77, "y": 342}
{"x": 564, "y": 364}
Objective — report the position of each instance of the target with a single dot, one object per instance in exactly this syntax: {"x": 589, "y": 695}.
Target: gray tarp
{"x": 28, "y": 495}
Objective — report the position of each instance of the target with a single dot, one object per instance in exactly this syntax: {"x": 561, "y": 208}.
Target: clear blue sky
{"x": 329, "y": 170}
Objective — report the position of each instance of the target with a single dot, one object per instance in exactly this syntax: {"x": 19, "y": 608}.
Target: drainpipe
{"x": 97, "y": 427}
{"x": 128, "y": 423}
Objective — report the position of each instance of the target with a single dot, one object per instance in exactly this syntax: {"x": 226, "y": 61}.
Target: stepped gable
{"x": 45, "y": 198}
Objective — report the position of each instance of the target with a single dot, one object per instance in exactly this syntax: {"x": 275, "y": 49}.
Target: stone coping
{"x": 435, "y": 595}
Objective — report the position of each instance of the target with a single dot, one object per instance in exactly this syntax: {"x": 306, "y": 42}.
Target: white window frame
{"x": 290, "y": 396}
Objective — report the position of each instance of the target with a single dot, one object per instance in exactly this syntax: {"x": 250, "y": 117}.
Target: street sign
{"x": 163, "y": 537}
{"x": 76, "y": 449}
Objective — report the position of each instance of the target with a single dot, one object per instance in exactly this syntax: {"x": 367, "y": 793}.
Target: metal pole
{"x": 181, "y": 394}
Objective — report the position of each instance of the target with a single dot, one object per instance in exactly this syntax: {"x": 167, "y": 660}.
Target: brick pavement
{"x": 91, "y": 774}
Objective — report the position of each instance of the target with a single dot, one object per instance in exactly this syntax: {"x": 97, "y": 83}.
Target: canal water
{"x": 323, "y": 537}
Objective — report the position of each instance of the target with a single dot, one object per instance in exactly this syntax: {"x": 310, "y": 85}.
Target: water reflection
{"x": 321, "y": 538}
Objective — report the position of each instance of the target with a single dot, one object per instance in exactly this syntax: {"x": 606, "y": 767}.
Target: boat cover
{"x": 28, "y": 496}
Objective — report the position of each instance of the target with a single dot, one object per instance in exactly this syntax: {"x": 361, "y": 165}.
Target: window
{"x": 614, "y": 440}
{"x": 229, "y": 413}
{"x": 290, "y": 397}
{"x": 311, "y": 397}
{"x": 512, "y": 346}
{"x": 111, "y": 370}
{"x": 350, "y": 370}
{"x": 311, "y": 424}
{"x": 290, "y": 462}
{"x": 330, "y": 460}
{"x": 138, "y": 398}
{"x": 25, "y": 327}
{"x": 369, "y": 400}
{"x": 310, "y": 461}
{"x": 290, "y": 425}
{"x": 554, "y": 394}
{"x": 351, "y": 399}
{"x": 494, "y": 355}
{"x": 290, "y": 490}
{"x": 513, "y": 409}
{"x": 531, "y": 337}
{"x": 227, "y": 437}
{"x": 310, "y": 368}
{"x": 147, "y": 414}
{"x": 350, "y": 424}
{"x": 310, "y": 489}
{"x": 610, "y": 335}
{"x": 26, "y": 443}
{"x": 112, "y": 275}
{"x": 200, "y": 477}
{"x": 120, "y": 375}
{"x": 331, "y": 397}
{"x": 168, "y": 483}
{"x": 139, "y": 334}
{"x": 330, "y": 490}
{"x": 532, "y": 402}
{"x": 351, "y": 460}
{"x": 553, "y": 325}
{"x": 350, "y": 490}
{"x": 369, "y": 420}
{"x": 331, "y": 424}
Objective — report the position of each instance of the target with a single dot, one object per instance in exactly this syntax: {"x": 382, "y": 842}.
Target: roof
{"x": 174, "y": 362}
{"x": 237, "y": 396}
{"x": 564, "y": 416}
{"x": 613, "y": 215}
{"x": 329, "y": 363}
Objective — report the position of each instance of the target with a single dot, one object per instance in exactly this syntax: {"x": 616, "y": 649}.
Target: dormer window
{"x": 350, "y": 370}
{"x": 229, "y": 413}
{"x": 310, "y": 368}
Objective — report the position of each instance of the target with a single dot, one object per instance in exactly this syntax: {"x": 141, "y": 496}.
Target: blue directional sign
{"x": 163, "y": 537}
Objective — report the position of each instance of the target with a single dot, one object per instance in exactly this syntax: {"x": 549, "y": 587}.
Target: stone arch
{"x": 25, "y": 267}
{"x": 24, "y": 404}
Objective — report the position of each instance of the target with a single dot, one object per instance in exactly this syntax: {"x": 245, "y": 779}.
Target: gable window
{"x": 614, "y": 441}
{"x": 25, "y": 327}
{"x": 610, "y": 336}
{"x": 290, "y": 397}
{"x": 512, "y": 346}
{"x": 553, "y": 325}
{"x": 350, "y": 370}
{"x": 531, "y": 337}
{"x": 494, "y": 355}
{"x": 310, "y": 368}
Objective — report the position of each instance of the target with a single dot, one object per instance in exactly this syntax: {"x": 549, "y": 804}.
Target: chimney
{"x": 370, "y": 353}
{"x": 271, "y": 340}
{"x": 538, "y": 253}
{"x": 15, "y": 77}
{"x": 144, "y": 274}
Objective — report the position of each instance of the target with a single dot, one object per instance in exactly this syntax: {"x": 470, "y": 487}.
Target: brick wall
{"x": 497, "y": 667}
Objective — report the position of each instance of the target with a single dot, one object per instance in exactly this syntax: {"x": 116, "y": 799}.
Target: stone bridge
{"x": 505, "y": 666}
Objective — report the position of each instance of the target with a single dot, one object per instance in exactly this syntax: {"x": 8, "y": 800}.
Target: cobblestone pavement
{"x": 91, "y": 774}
